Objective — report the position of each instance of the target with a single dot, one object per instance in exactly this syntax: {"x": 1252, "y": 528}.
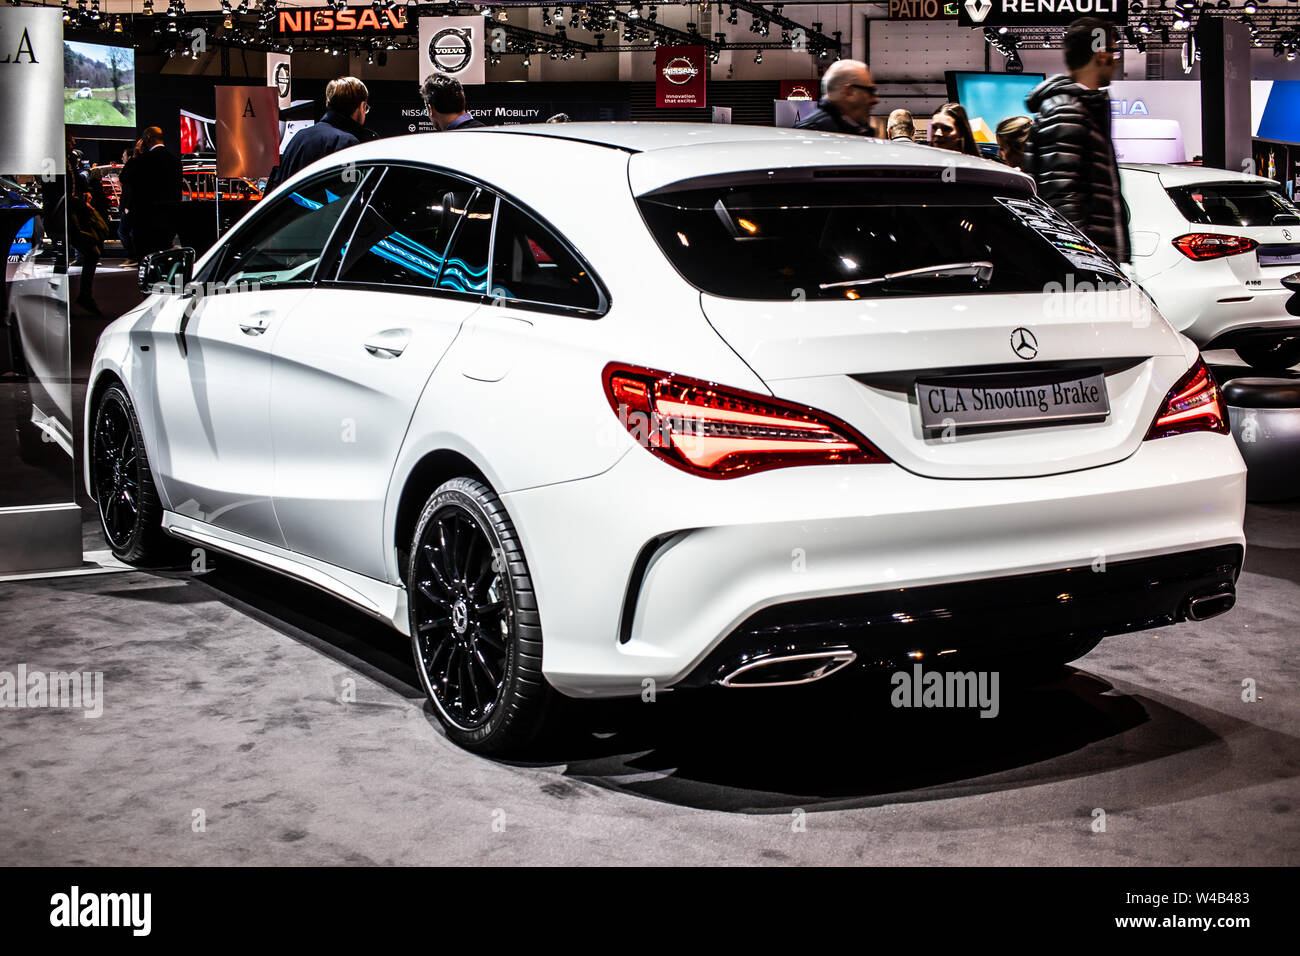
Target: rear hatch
{"x": 1255, "y": 210}
{"x": 1033, "y": 353}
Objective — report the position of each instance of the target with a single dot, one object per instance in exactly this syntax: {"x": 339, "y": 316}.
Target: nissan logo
{"x": 451, "y": 49}
{"x": 1023, "y": 343}
{"x": 680, "y": 70}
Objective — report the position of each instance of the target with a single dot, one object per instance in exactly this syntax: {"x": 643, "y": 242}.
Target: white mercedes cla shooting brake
{"x": 597, "y": 407}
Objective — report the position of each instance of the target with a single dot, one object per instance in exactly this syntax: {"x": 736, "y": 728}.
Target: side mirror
{"x": 166, "y": 272}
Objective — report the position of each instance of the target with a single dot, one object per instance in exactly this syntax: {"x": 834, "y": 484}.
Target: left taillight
{"x": 719, "y": 432}
{"x": 1200, "y": 246}
{"x": 1195, "y": 404}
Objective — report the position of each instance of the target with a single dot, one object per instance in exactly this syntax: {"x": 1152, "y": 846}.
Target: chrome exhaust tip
{"x": 786, "y": 668}
{"x": 1210, "y": 605}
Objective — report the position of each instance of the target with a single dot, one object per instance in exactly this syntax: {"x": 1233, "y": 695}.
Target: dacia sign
{"x": 1038, "y": 13}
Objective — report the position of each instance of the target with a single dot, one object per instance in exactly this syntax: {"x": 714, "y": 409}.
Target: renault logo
{"x": 978, "y": 9}
{"x": 1023, "y": 343}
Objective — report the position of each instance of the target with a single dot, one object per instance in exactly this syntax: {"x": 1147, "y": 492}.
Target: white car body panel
{"x": 518, "y": 393}
{"x": 1203, "y": 300}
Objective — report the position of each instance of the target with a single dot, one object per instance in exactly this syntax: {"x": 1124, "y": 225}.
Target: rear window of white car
{"x": 831, "y": 240}
{"x": 1234, "y": 204}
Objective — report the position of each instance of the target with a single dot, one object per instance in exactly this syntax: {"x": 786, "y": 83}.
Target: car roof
{"x": 663, "y": 153}
{"x": 1173, "y": 175}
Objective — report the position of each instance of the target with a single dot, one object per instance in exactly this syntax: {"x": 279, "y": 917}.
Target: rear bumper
{"x": 1206, "y": 313}
{"x": 992, "y": 618}
{"x": 642, "y": 571}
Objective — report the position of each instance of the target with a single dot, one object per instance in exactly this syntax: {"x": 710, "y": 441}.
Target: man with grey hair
{"x": 900, "y": 128}
{"x": 848, "y": 93}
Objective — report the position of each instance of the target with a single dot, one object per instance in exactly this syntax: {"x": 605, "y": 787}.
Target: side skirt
{"x": 379, "y": 599}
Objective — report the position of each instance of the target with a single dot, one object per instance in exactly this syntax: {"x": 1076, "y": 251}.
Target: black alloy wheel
{"x": 129, "y": 510}
{"x": 474, "y": 626}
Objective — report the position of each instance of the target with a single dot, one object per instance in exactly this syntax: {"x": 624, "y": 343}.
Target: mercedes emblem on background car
{"x": 1023, "y": 343}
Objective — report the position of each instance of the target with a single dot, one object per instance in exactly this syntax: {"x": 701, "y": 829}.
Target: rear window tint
{"x": 819, "y": 240}
{"x": 1234, "y": 204}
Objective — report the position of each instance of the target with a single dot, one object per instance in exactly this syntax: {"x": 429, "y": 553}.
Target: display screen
{"x": 98, "y": 85}
{"x": 990, "y": 98}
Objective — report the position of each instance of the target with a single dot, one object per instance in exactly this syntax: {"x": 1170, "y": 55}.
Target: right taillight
{"x": 1195, "y": 404}
{"x": 1207, "y": 245}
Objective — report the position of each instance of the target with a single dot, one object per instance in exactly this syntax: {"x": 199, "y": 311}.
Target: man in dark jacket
{"x": 343, "y": 125}
{"x": 155, "y": 182}
{"x": 1069, "y": 151}
{"x": 444, "y": 101}
{"x": 848, "y": 93}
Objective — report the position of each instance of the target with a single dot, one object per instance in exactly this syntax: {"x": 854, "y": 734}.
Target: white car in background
{"x": 1212, "y": 248}
{"x": 746, "y": 406}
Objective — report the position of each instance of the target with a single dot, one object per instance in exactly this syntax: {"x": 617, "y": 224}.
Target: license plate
{"x": 993, "y": 401}
{"x": 1279, "y": 255}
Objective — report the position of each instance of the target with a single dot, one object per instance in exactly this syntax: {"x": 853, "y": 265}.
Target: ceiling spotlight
{"x": 758, "y": 57}
{"x": 733, "y": 18}
{"x": 1249, "y": 6}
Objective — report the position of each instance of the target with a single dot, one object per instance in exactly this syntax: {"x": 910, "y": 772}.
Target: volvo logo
{"x": 978, "y": 9}
{"x": 1023, "y": 343}
{"x": 282, "y": 79}
{"x": 680, "y": 70}
{"x": 451, "y": 49}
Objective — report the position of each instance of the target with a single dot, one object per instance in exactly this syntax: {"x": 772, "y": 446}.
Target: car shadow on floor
{"x": 836, "y": 744}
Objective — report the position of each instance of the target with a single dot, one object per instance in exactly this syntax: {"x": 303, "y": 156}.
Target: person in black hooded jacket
{"x": 343, "y": 125}
{"x": 1069, "y": 151}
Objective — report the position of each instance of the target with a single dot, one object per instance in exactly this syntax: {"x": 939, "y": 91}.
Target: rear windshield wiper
{"x": 981, "y": 272}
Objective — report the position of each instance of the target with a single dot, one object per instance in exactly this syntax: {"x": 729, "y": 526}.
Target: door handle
{"x": 389, "y": 343}
{"x": 257, "y": 322}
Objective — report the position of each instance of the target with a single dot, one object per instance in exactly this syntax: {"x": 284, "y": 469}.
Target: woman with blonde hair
{"x": 1012, "y": 134}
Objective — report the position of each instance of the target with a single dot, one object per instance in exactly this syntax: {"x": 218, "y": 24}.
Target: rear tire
{"x": 475, "y": 631}
{"x": 122, "y": 483}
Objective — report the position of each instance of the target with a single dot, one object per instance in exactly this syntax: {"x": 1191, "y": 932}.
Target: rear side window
{"x": 530, "y": 265}
{"x": 1234, "y": 204}
{"x": 466, "y": 269}
{"x": 835, "y": 240}
{"x": 401, "y": 238}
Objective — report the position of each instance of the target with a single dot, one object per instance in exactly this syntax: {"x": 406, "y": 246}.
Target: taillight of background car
{"x": 719, "y": 432}
{"x": 1207, "y": 245}
{"x": 1195, "y": 404}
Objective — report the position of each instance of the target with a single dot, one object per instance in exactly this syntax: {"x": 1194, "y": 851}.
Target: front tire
{"x": 129, "y": 510}
{"x": 475, "y": 631}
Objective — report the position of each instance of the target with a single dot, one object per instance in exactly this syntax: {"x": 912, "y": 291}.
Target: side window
{"x": 530, "y": 264}
{"x": 401, "y": 237}
{"x": 467, "y": 262}
{"x": 285, "y": 242}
